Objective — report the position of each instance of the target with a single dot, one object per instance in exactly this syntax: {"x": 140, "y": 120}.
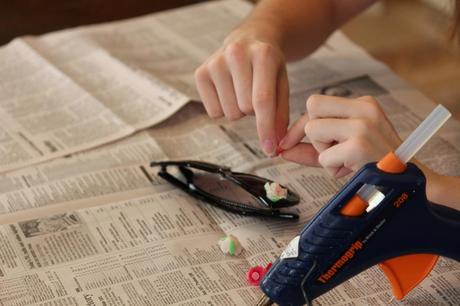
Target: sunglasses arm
{"x": 193, "y": 164}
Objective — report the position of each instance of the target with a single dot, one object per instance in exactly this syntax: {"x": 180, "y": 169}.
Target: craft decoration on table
{"x": 230, "y": 245}
{"x": 255, "y": 274}
{"x": 275, "y": 191}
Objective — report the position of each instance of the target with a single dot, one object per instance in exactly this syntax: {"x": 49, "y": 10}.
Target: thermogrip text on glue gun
{"x": 381, "y": 216}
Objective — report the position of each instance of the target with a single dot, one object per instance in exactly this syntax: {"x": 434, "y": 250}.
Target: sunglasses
{"x": 236, "y": 192}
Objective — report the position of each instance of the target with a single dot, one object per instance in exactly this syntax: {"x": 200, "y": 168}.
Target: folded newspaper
{"x": 100, "y": 228}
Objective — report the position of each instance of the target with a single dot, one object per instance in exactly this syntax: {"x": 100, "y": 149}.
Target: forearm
{"x": 442, "y": 189}
{"x": 300, "y": 26}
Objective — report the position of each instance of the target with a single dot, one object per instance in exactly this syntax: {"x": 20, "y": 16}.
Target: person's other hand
{"x": 248, "y": 76}
{"x": 344, "y": 134}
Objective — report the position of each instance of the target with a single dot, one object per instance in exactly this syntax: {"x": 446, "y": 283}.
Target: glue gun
{"x": 381, "y": 216}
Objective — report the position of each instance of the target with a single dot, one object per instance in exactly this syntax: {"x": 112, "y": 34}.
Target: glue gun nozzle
{"x": 264, "y": 301}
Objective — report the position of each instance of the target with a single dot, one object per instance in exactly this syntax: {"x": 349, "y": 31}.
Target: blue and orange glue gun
{"x": 402, "y": 232}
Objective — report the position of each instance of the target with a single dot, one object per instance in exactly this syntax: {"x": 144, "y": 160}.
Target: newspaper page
{"x": 50, "y": 109}
{"x": 43, "y": 113}
{"x": 101, "y": 228}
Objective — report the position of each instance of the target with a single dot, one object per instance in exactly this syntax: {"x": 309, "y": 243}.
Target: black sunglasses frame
{"x": 228, "y": 205}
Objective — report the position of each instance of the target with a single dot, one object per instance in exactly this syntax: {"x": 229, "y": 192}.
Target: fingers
{"x": 330, "y": 130}
{"x": 208, "y": 93}
{"x": 344, "y": 133}
{"x": 333, "y": 158}
{"x": 223, "y": 83}
{"x": 303, "y": 153}
{"x": 324, "y": 132}
{"x": 351, "y": 154}
{"x": 338, "y": 160}
{"x": 243, "y": 79}
{"x": 240, "y": 68}
{"x": 319, "y": 106}
{"x": 295, "y": 133}
{"x": 335, "y": 144}
{"x": 282, "y": 105}
{"x": 264, "y": 89}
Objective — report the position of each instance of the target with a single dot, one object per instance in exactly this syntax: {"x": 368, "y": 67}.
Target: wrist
{"x": 257, "y": 29}
{"x": 441, "y": 189}
{"x": 434, "y": 186}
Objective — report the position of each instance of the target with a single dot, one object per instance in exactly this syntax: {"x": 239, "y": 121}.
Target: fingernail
{"x": 268, "y": 146}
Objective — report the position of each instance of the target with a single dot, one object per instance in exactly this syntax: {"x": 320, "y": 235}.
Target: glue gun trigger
{"x": 405, "y": 272}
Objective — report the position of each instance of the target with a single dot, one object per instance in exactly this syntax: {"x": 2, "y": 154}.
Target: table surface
{"x": 20, "y": 17}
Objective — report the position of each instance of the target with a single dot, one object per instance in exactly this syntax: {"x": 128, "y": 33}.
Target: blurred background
{"x": 410, "y": 36}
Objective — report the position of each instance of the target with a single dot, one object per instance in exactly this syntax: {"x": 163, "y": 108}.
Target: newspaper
{"x": 101, "y": 228}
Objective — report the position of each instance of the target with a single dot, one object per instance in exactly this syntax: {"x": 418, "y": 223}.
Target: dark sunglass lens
{"x": 224, "y": 189}
{"x": 251, "y": 182}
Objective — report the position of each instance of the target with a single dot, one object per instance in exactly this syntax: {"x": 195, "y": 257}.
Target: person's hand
{"x": 344, "y": 134}
{"x": 246, "y": 76}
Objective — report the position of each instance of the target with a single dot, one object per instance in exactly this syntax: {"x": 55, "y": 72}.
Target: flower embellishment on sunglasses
{"x": 275, "y": 191}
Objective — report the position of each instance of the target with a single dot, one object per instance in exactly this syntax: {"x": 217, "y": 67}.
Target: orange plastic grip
{"x": 407, "y": 271}
{"x": 390, "y": 163}
{"x": 355, "y": 207}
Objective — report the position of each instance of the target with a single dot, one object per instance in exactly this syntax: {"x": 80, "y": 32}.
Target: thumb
{"x": 303, "y": 153}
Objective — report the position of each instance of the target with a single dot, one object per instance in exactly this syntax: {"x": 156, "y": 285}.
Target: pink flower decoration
{"x": 255, "y": 274}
